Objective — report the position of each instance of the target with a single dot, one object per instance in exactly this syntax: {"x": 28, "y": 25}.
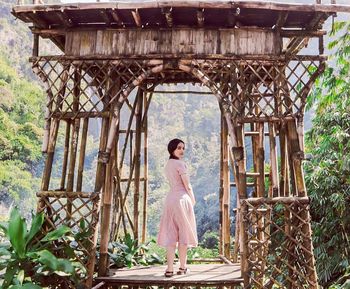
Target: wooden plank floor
{"x": 201, "y": 274}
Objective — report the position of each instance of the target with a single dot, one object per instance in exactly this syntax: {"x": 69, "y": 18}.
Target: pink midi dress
{"x": 178, "y": 222}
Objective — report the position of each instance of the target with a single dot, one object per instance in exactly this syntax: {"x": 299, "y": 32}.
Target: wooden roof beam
{"x": 106, "y": 17}
{"x": 200, "y": 17}
{"x": 116, "y": 17}
{"x": 232, "y": 16}
{"x": 137, "y": 17}
{"x": 298, "y": 43}
{"x": 66, "y": 21}
{"x": 282, "y": 18}
{"x": 37, "y": 21}
{"x": 167, "y": 11}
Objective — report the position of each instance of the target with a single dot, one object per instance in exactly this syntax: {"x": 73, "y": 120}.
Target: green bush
{"x": 127, "y": 253}
{"x": 29, "y": 258}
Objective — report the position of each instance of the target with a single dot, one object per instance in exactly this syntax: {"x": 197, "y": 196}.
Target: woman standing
{"x": 178, "y": 223}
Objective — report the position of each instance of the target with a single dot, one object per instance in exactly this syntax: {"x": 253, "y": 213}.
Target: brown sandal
{"x": 183, "y": 271}
{"x": 168, "y": 274}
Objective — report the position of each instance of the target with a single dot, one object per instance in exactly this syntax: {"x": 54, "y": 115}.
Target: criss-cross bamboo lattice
{"x": 249, "y": 91}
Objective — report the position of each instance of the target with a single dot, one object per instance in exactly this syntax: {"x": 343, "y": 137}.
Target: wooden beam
{"x": 116, "y": 17}
{"x": 137, "y": 17}
{"x": 200, "y": 17}
{"x": 106, "y": 17}
{"x": 298, "y": 43}
{"x": 282, "y": 17}
{"x": 167, "y": 11}
{"x": 302, "y": 33}
{"x": 65, "y": 19}
{"x": 242, "y": 4}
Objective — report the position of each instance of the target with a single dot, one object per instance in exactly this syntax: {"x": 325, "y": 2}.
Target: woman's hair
{"x": 172, "y": 145}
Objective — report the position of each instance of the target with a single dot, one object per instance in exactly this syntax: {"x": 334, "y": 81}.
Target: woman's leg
{"x": 170, "y": 256}
{"x": 183, "y": 256}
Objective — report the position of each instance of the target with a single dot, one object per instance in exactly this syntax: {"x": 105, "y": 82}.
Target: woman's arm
{"x": 186, "y": 181}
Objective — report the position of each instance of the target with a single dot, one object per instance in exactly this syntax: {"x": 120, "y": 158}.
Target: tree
{"x": 328, "y": 173}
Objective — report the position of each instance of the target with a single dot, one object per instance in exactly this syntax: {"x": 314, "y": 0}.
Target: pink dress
{"x": 178, "y": 222}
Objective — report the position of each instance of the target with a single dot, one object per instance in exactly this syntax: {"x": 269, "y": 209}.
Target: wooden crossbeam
{"x": 116, "y": 16}
{"x": 282, "y": 18}
{"x": 106, "y": 16}
{"x": 200, "y": 17}
{"x": 298, "y": 43}
{"x": 137, "y": 17}
{"x": 65, "y": 19}
{"x": 167, "y": 11}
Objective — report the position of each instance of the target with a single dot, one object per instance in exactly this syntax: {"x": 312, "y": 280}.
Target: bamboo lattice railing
{"x": 274, "y": 233}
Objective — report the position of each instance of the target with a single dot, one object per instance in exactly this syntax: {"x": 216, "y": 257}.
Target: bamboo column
{"x": 107, "y": 195}
{"x": 138, "y": 118}
{"x": 226, "y": 190}
{"x": 74, "y": 140}
{"x": 65, "y": 155}
{"x": 145, "y": 171}
{"x": 99, "y": 181}
{"x": 221, "y": 192}
{"x": 82, "y": 154}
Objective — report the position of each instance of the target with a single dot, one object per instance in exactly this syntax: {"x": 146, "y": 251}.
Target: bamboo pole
{"x": 145, "y": 171}
{"x": 82, "y": 154}
{"x": 138, "y": 134}
{"x": 65, "y": 155}
{"x": 226, "y": 195}
{"x": 74, "y": 141}
{"x": 221, "y": 191}
{"x": 107, "y": 190}
{"x": 273, "y": 162}
{"x": 116, "y": 185}
{"x": 260, "y": 161}
{"x": 105, "y": 216}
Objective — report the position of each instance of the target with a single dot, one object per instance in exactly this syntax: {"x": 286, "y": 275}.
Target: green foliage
{"x": 210, "y": 240}
{"x": 28, "y": 261}
{"x": 128, "y": 253}
{"x": 20, "y": 137}
{"x": 328, "y": 173}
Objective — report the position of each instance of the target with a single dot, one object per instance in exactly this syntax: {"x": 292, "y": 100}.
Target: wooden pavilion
{"x": 250, "y": 55}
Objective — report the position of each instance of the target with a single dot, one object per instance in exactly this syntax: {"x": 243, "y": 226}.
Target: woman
{"x": 178, "y": 223}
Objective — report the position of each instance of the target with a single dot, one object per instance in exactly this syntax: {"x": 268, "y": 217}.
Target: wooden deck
{"x": 200, "y": 275}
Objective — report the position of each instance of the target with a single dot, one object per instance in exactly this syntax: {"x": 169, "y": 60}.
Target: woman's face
{"x": 179, "y": 151}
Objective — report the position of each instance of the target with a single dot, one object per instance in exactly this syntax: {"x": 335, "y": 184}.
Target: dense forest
{"x": 196, "y": 120}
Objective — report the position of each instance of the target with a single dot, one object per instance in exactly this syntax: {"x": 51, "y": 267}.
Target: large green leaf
{"x": 64, "y": 266}
{"x": 56, "y": 234}
{"x": 11, "y": 271}
{"x": 48, "y": 259}
{"x": 37, "y": 223}
{"x": 17, "y": 232}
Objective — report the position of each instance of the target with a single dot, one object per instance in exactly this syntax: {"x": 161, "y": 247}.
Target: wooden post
{"x": 274, "y": 191}
{"x": 82, "y": 154}
{"x": 145, "y": 171}
{"x": 221, "y": 192}
{"x": 138, "y": 118}
{"x": 74, "y": 141}
{"x": 226, "y": 194}
{"x": 260, "y": 161}
{"x": 105, "y": 216}
{"x": 65, "y": 155}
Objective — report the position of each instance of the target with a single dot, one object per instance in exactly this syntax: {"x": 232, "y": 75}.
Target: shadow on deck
{"x": 201, "y": 275}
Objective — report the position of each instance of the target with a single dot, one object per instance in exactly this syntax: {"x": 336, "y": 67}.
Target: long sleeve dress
{"x": 178, "y": 222}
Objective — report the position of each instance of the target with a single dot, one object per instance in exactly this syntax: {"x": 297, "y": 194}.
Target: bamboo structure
{"x": 249, "y": 56}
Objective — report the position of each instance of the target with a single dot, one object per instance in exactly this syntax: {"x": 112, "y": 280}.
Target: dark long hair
{"x": 172, "y": 145}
